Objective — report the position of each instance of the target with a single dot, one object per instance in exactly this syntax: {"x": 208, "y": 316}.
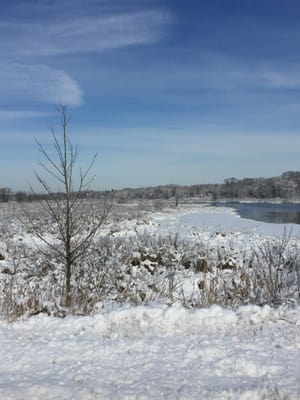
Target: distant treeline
{"x": 285, "y": 187}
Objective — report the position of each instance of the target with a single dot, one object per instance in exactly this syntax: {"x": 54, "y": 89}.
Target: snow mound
{"x": 174, "y": 320}
{"x": 177, "y": 320}
{"x": 164, "y": 320}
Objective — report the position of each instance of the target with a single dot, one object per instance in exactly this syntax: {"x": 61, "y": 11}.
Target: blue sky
{"x": 167, "y": 91}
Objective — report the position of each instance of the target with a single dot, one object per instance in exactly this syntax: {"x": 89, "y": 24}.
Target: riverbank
{"x": 287, "y": 213}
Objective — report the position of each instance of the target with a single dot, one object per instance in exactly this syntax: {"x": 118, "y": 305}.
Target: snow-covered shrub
{"x": 276, "y": 274}
{"x": 131, "y": 261}
{"x": 29, "y": 284}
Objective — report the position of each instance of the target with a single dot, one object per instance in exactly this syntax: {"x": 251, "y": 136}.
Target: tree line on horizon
{"x": 286, "y": 187}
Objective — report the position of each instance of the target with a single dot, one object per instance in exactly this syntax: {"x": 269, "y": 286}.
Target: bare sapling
{"x": 75, "y": 218}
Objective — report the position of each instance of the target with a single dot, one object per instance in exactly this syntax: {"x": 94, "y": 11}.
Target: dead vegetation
{"x": 143, "y": 267}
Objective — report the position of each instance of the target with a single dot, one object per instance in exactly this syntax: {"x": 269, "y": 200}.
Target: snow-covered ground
{"x": 204, "y": 218}
{"x": 155, "y": 352}
{"x": 160, "y": 351}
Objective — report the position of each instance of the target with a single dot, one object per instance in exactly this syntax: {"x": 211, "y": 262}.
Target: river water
{"x": 267, "y": 212}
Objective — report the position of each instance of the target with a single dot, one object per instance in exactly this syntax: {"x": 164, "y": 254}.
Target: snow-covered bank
{"x": 154, "y": 352}
{"x": 205, "y": 218}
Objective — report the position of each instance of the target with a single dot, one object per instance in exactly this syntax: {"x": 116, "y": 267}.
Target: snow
{"x": 220, "y": 219}
{"x": 154, "y": 352}
{"x": 160, "y": 351}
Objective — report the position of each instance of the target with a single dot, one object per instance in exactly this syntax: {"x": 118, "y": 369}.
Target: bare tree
{"x": 72, "y": 214}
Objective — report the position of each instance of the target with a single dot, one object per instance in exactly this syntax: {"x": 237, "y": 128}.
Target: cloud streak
{"x": 39, "y": 83}
{"x": 30, "y": 49}
{"x": 81, "y": 35}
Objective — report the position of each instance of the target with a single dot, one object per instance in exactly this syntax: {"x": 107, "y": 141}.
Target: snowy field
{"x": 160, "y": 351}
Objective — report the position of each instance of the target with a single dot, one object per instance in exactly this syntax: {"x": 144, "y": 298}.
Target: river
{"x": 282, "y": 213}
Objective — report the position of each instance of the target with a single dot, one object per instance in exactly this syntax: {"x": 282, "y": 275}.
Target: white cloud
{"x": 61, "y": 28}
{"x": 39, "y": 83}
{"x": 82, "y": 34}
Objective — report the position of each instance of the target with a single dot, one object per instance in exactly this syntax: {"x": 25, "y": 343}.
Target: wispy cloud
{"x": 39, "y": 83}
{"x": 31, "y": 49}
{"x": 81, "y": 35}
{"x": 217, "y": 71}
{"x": 211, "y": 71}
